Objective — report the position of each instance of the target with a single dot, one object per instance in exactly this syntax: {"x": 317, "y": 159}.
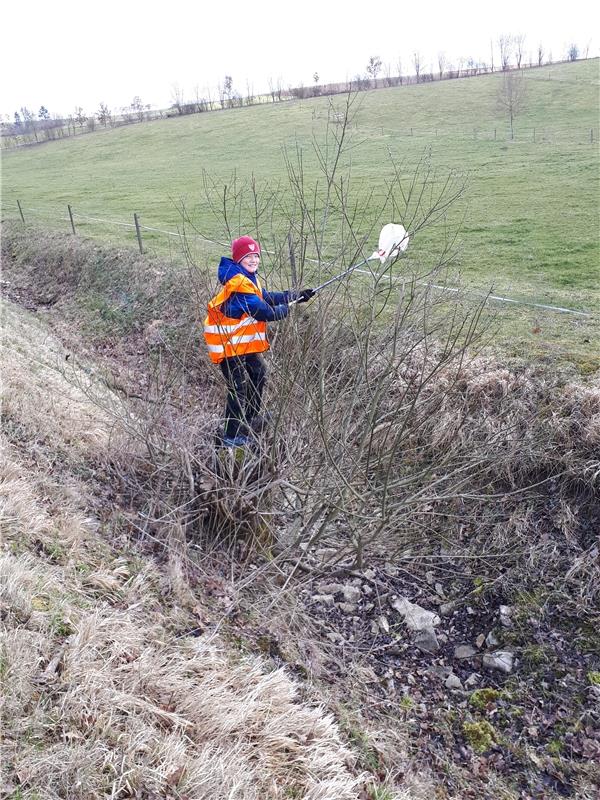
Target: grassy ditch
{"x": 116, "y": 681}
{"x": 397, "y": 460}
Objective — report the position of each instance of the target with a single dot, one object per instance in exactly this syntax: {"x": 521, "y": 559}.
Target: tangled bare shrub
{"x": 386, "y": 422}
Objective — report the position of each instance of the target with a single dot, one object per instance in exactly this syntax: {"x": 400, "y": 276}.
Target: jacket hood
{"x": 228, "y": 269}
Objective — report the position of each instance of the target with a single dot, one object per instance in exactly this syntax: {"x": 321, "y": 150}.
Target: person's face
{"x": 251, "y": 262}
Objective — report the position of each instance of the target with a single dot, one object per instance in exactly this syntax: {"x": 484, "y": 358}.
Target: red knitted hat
{"x": 244, "y": 246}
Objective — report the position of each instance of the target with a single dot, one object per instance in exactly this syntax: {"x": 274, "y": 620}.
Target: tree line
{"x": 507, "y": 53}
{"x": 32, "y": 127}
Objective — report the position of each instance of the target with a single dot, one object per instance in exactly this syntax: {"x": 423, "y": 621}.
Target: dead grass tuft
{"x": 102, "y": 699}
{"x": 52, "y": 398}
{"x": 129, "y": 706}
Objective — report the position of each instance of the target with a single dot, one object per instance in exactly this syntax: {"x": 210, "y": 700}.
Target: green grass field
{"x": 529, "y": 216}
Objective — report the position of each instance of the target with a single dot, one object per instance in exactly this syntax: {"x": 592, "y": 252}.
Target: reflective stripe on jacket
{"x": 227, "y": 336}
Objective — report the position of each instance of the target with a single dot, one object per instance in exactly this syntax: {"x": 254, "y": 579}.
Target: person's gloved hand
{"x": 305, "y": 295}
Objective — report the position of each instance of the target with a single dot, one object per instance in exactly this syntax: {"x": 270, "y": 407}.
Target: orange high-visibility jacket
{"x": 227, "y": 336}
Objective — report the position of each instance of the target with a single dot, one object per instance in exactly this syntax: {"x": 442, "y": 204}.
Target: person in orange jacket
{"x": 235, "y": 331}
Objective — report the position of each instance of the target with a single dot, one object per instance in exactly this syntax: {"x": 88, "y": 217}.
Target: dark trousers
{"x": 245, "y": 377}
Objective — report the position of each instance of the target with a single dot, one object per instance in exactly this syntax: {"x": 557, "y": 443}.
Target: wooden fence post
{"x": 71, "y": 218}
{"x": 138, "y": 232}
{"x": 20, "y": 211}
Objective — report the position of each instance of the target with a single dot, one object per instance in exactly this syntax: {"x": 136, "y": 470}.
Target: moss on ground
{"x": 485, "y": 697}
{"x": 480, "y": 735}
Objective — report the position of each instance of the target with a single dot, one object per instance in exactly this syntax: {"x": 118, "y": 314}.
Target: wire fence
{"x": 137, "y": 228}
{"x": 520, "y": 133}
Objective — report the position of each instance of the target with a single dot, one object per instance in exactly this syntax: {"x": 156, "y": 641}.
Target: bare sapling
{"x": 351, "y": 375}
{"x": 373, "y": 439}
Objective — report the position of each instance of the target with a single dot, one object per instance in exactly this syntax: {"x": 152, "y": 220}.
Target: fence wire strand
{"x": 204, "y": 238}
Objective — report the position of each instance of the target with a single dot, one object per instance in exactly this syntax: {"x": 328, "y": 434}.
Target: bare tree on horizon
{"x": 417, "y": 63}
{"x": 505, "y": 44}
{"x": 442, "y": 63}
{"x": 373, "y": 69}
{"x": 519, "y": 42}
{"x": 177, "y": 97}
{"x": 103, "y": 114}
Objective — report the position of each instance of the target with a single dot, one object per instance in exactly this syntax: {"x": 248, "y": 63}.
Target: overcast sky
{"x": 62, "y": 53}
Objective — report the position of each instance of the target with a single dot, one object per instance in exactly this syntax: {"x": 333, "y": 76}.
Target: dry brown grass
{"x": 43, "y": 389}
{"x": 102, "y": 699}
{"x": 131, "y": 711}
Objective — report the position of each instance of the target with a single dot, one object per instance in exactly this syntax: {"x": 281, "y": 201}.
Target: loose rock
{"x": 464, "y": 651}
{"x": 384, "y": 625}
{"x": 440, "y": 671}
{"x": 506, "y": 616}
{"x": 331, "y": 588}
{"x": 453, "y": 682}
{"x": 447, "y": 608}
{"x": 501, "y": 660}
{"x": 324, "y": 599}
{"x": 426, "y": 640}
{"x": 351, "y": 593}
{"x": 415, "y": 617}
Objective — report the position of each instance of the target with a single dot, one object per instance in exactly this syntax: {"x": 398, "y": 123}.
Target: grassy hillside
{"x": 528, "y": 217}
